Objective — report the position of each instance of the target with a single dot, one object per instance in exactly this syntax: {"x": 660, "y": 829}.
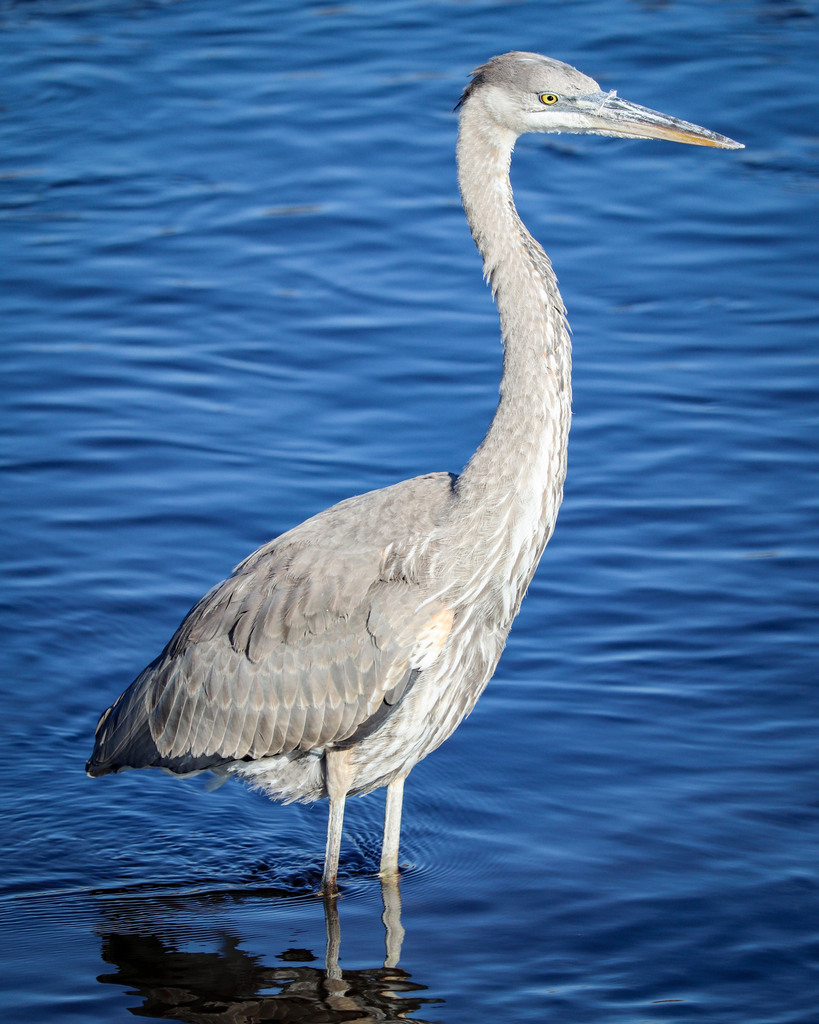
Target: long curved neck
{"x": 513, "y": 484}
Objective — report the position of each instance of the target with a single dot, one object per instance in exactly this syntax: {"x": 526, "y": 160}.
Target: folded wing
{"x": 312, "y": 640}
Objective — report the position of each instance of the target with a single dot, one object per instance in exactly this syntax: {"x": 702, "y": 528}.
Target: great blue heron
{"x": 344, "y": 651}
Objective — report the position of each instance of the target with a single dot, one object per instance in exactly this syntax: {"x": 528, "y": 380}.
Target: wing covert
{"x": 298, "y": 649}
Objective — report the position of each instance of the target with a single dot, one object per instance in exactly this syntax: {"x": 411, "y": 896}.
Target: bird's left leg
{"x": 392, "y": 826}
{"x": 337, "y": 780}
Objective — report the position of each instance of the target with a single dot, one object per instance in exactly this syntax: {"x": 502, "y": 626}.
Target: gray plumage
{"x": 344, "y": 651}
{"x": 293, "y": 652}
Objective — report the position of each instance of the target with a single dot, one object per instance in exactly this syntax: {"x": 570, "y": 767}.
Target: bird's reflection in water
{"x": 229, "y": 984}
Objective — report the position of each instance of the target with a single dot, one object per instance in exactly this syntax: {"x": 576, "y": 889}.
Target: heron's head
{"x": 526, "y": 92}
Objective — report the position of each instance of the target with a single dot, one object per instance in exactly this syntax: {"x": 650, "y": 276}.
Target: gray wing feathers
{"x": 296, "y": 650}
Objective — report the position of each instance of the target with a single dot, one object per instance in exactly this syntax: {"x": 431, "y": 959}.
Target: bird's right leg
{"x": 337, "y": 780}
{"x": 392, "y": 826}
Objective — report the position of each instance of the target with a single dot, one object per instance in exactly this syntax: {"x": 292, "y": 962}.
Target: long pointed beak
{"x": 619, "y": 117}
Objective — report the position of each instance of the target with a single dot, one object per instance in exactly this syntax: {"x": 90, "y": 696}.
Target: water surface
{"x": 237, "y": 287}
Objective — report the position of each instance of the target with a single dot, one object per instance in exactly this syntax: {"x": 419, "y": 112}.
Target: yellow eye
{"x": 548, "y": 98}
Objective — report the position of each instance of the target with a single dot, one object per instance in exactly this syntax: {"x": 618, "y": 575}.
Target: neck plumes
{"x": 512, "y": 487}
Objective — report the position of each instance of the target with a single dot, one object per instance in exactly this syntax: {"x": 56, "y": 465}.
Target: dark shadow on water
{"x": 155, "y": 949}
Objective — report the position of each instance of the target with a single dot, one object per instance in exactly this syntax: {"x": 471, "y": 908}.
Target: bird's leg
{"x": 329, "y": 880}
{"x": 337, "y": 780}
{"x": 392, "y": 826}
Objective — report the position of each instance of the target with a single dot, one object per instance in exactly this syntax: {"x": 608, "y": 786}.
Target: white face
{"x": 546, "y": 110}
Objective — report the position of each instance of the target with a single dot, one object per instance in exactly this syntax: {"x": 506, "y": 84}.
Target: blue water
{"x": 237, "y": 286}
